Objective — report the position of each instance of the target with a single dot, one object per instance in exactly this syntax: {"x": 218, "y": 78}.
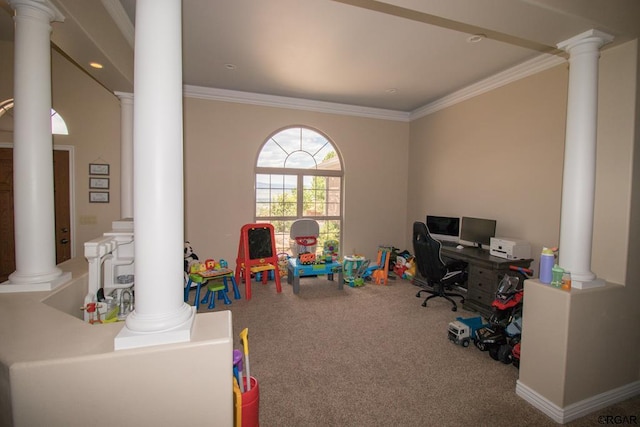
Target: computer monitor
{"x": 444, "y": 227}
{"x": 478, "y": 231}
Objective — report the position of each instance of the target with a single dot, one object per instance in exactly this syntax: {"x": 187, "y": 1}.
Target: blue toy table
{"x": 296, "y": 270}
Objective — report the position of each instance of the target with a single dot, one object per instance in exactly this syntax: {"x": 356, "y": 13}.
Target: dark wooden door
{"x": 62, "y": 210}
{"x": 61, "y": 198}
{"x": 7, "y": 241}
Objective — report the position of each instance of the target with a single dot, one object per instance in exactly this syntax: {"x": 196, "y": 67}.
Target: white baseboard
{"x": 578, "y": 409}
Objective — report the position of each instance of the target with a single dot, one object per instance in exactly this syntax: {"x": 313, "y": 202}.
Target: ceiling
{"x": 397, "y": 55}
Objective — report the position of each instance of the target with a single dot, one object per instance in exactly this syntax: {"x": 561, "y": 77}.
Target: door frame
{"x": 72, "y": 193}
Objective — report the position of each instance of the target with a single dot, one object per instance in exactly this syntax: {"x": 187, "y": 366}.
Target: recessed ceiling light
{"x": 96, "y": 65}
{"x": 476, "y": 38}
{"x": 230, "y": 66}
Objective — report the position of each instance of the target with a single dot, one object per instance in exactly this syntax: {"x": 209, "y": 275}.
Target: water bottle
{"x": 546, "y": 265}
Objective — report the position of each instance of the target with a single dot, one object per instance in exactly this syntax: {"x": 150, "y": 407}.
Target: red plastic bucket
{"x": 251, "y": 404}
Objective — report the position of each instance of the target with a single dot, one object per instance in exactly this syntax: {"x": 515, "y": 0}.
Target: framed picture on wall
{"x": 98, "y": 169}
{"x": 99, "y": 183}
{"x": 98, "y": 197}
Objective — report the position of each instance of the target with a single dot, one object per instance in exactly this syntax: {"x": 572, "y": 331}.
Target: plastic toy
{"x": 505, "y": 325}
{"x": 244, "y": 340}
{"x": 330, "y": 250}
{"x": 380, "y": 269}
{"x": 462, "y": 331}
{"x": 307, "y": 258}
{"x": 94, "y": 313}
{"x": 354, "y": 267}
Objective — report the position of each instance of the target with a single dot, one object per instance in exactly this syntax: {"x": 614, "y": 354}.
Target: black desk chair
{"x": 439, "y": 275}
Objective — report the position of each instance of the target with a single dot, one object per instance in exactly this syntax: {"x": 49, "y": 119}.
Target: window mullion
{"x": 300, "y": 201}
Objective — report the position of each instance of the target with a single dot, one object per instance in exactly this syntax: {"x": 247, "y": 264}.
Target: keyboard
{"x": 449, "y": 243}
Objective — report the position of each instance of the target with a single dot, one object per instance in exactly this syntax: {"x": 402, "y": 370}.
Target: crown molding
{"x": 120, "y": 17}
{"x": 293, "y": 103}
{"x": 525, "y": 69}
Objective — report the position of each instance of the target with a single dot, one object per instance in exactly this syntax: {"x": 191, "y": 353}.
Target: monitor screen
{"x": 444, "y": 227}
{"x": 477, "y": 230}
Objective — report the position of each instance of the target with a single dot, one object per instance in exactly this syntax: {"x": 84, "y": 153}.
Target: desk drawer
{"x": 483, "y": 279}
{"x": 480, "y": 297}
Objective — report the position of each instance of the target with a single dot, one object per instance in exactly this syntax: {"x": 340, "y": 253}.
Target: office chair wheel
{"x": 424, "y": 304}
{"x": 454, "y": 308}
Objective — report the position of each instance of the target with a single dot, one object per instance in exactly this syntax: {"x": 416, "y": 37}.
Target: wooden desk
{"x": 484, "y": 274}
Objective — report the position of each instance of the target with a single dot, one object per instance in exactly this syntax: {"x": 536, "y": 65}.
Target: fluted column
{"x": 160, "y": 315}
{"x": 126, "y": 154}
{"x": 578, "y": 181}
{"x": 34, "y": 209}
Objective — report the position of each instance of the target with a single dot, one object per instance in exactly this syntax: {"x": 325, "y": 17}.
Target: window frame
{"x": 300, "y": 174}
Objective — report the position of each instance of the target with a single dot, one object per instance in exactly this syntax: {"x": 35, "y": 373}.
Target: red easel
{"x": 257, "y": 254}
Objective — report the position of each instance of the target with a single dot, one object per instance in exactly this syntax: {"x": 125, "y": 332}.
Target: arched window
{"x": 299, "y": 175}
{"x": 58, "y": 125}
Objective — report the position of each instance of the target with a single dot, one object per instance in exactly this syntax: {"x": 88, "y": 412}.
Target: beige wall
{"x": 498, "y": 155}
{"x": 222, "y": 142}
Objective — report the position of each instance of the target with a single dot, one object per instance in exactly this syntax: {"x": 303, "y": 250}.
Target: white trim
{"x": 525, "y": 69}
{"x": 293, "y": 103}
{"x": 72, "y": 192}
{"x": 578, "y": 409}
{"x": 120, "y": 17}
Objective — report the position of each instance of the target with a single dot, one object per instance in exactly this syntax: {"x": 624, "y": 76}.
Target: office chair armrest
{"x": 455, "y": 265}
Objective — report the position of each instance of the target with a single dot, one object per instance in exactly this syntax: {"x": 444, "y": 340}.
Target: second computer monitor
{"x": 478, "y": 231}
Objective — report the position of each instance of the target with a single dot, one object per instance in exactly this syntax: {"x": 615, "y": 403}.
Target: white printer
{"x": 509, "y": 248}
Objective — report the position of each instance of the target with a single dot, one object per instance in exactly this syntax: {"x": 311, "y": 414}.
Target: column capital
{"x": 42, "y": 5}
{"x": 594, "y": 37}
{"x": 123, "y": 95}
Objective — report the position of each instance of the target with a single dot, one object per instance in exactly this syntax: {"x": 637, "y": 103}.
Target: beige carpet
{"x": 372, "y": 356}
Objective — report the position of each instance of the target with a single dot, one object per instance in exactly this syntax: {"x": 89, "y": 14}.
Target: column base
{"x": 127, "y": 338}
{"x": 47, "y": 285}
{"x": 595, "y": 283}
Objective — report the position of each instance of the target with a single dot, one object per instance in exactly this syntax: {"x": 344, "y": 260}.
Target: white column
{"x": 578, "y": 181}
{"x": 34, "y": 210}
{"x": 126, "y": 154}
{"x": 160, "y": 314}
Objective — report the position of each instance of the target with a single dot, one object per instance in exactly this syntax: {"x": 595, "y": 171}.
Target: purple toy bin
{"x": 251, "y": 404}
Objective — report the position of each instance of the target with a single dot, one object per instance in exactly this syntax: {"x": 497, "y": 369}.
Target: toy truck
{"x": 462, "y": 331}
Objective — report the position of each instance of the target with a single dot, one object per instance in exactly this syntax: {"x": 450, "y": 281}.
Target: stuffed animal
{"x": 189, "y": 258}
{"x": 283, "y": 262}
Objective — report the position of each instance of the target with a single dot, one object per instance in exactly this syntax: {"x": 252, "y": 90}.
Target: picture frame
{"x": 98, "y": 197}
{"x": 99, "y": 183}
{"x": 98, "y": 169}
